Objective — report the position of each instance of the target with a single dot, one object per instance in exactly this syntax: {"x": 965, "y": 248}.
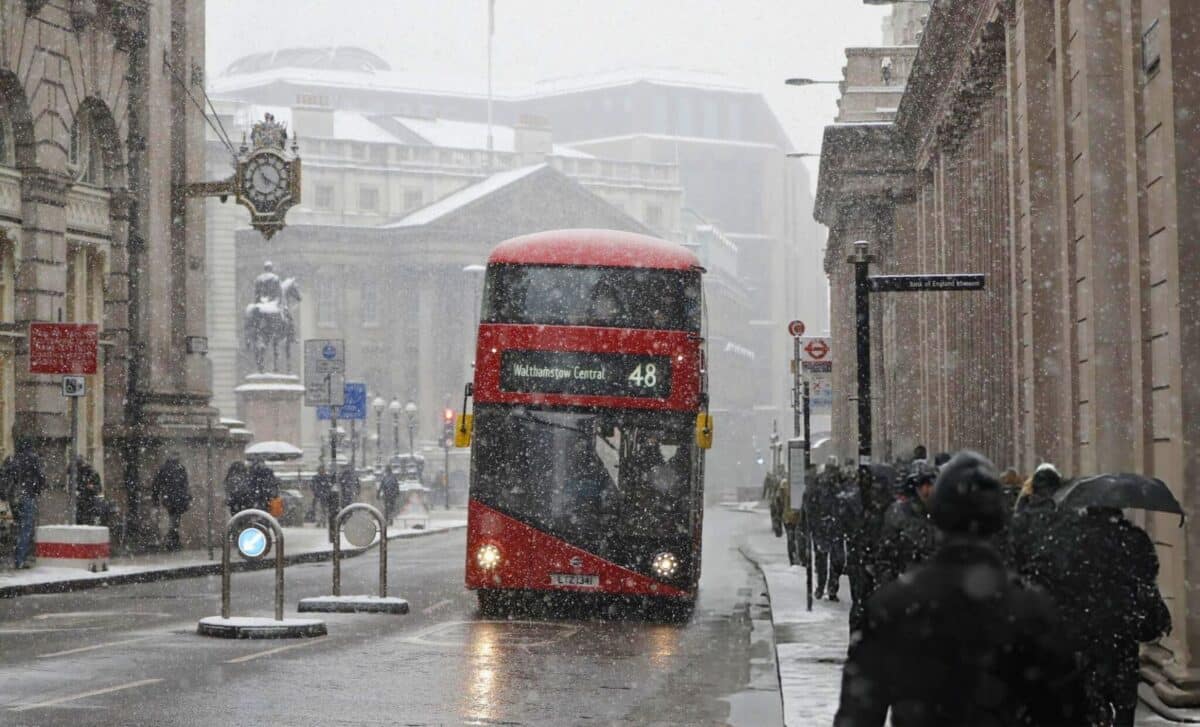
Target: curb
{"x": 195, "y": 571}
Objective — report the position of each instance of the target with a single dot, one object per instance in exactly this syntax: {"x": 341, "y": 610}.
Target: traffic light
{"x": 448, "y": 428}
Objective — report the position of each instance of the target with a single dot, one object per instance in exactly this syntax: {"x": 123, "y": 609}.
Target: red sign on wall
{"x": 63, "y": 348}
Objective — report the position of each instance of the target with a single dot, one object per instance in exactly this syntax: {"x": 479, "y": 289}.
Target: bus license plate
{"x": 574, "y": 579}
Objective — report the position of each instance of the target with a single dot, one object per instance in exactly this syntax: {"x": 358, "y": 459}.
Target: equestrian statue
{"x": 268, "y": 321}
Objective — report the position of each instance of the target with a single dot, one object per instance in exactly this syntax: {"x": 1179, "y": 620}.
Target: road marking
{"x": 276, "y": 650}
{"x": 84, "y": 695}
{"x": 440, "y": 604}
{"x": 93, "y": 647}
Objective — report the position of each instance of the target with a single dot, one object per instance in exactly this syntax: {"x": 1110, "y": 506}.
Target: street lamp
{"x": 410, "y": 409}
{"x": 378, "y": 404}
{"x": 802, "y": 155}
{"x": 395, "y": 408}
{"x": 474, "y": 271}
{"x": 861, "y": 260}
{"x": 810, "y": 82}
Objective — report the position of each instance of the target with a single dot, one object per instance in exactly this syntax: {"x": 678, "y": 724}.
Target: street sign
{"x": 354, "y": 403}
{"x": 820, "y": 392}
{"x": 63, "y": 348}
{"x": 253, "y": 542}
{"x": 324, "y": 372}
{"x": 815, "y": 348}
{"x": 916, "y": 283}
{"x": 796, "y": 329}
{"x": 73, "y": 386}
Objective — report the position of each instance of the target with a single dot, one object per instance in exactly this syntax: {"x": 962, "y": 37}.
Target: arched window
{"x": 85, "y": 152}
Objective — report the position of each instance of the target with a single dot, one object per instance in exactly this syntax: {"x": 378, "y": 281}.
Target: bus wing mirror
{"x": 463, "y": 428}
{"x": 704, "y": 430}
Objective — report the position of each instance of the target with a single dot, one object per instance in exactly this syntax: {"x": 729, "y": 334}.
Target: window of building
{"x": 327, "y": 313}
{"x": 661, "y": 123}
{"x": 710, "y": 117}
{"x": 368, "y": 198}
{"x": 683, "y": 117}
{"x": 654, "y": 216}
{"x": 413, "y": 199}
{"x": 7, "y": 279}
{"x": 84, "y": 152}
{"x": 323, "y": 197}
{"x": 370, "y": 303}
{"x": 378, "y": 154}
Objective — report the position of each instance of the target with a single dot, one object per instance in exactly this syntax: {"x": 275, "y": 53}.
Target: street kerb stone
{"x": 353, "y": 604}
{"x": 253, "y": 627}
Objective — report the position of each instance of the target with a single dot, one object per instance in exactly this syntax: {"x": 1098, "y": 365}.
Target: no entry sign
{"x": 63, "y": 348}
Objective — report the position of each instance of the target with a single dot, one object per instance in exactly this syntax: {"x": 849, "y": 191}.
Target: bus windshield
{"x": 589, "y": 478}
{"x": 578, "y": 296}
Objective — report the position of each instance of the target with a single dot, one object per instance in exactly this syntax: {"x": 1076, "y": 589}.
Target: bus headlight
{"x": 665, "y": 564}
{"x": 487, "y": 556}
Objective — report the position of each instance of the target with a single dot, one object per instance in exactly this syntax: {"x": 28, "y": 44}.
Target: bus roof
{"x": 593, "y": 248}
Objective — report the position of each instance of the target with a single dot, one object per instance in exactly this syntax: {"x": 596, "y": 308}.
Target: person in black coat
{"x": 23, "y": 481}
{"x": 88, "y": 493}
{"x": 908, "y": 536}
{"x": 237, "y": 488}
{"x": 824, "y": 518}
{"x": 960, "y": 640}
{"x": 170, "y": 490}
{"x": 875, "y": 497}
{"x": 264, "y": 486}
{"x": 389, "y": 492}
{"x": 322, "y": 490}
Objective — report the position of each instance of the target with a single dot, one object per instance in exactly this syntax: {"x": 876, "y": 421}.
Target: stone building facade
{"x": 96, "y": 137}
{"x": 1051, "y": 146}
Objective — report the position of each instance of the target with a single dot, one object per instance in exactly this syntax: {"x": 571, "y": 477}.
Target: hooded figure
{"x": 908, "y": 536}
{"x": 22, "y": 481}
{"x": 828, "y": 528}
{"x": 959, "y": 640}
{"x": 170, "y": 489}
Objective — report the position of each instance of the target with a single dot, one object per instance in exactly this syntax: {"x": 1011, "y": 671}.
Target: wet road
{"x": 130, "y": 655}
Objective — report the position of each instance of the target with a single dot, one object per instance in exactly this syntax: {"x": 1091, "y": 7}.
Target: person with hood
{"x": 170, "y": 490}
{"x": 237, "y": 488}
{"x": 263, "y": 486}
{"x": 960, "y": 640}
{"x": 23, "y": 480}
{"x": 322, "y": 494}
{"x": 908, "y": 535}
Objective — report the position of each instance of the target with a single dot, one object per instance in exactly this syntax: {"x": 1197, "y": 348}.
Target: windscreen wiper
{"x": 527, "y": 417}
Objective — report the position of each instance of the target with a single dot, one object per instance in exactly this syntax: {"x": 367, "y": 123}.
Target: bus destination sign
{"x": 587, "y": 374}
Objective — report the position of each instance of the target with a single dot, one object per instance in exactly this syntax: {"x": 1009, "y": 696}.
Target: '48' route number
{"x": 645, "y": 376}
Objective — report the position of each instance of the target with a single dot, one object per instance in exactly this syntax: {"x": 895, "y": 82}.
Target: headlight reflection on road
{"x": 482, "y": 679}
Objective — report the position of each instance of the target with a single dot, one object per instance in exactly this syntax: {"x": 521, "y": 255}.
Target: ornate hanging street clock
{"x": 266, "y": 177}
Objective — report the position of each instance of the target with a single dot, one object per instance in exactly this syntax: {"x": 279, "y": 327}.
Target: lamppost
{"x": 410, "y": 410}
{"x": 475, "y": 271}
{"x": 395, "y": 408}
{"x": 861, "y": 260}
{"x": 810, "y": 82}
{"x": 378, "y": 404}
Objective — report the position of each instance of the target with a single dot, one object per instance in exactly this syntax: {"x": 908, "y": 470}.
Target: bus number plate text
{"x": 574, "y": 579}
{"x": 589, "y": 374}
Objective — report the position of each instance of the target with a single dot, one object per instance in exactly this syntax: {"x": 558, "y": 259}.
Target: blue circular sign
{"x": 252, "y": 542}
{"x": 329, "y": 351}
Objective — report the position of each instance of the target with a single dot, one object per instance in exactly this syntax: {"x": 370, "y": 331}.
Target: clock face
{"x": 266, "y": 180}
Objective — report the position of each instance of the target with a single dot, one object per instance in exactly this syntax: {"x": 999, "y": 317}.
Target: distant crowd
{"x": 977, "y": 600}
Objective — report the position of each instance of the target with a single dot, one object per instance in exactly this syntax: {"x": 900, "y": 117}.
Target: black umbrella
{"x": 1120, "y": 491}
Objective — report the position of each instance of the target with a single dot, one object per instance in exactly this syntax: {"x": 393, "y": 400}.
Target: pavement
{"x": 301, "y": 544}
{"x": 811, "y": 645}
{"x": 129, "y": 654}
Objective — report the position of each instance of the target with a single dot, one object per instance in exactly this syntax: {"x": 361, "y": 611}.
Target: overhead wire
{"x": 218, "y": 130}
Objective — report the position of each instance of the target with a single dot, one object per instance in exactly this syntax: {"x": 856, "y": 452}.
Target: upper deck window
{"x": 595, "y": 296}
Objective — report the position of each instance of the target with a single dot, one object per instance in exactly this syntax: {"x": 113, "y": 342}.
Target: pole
{"x": 446, "y": 473}
{"x": 378, "y": 439}
{"x": 796, "y": 386}
{"x": 208, "y": 464}
{"x": 808, "y": 558}
{"x": 862, "y": 332}
{"x": 491, "y": 32}
{"x": 337, "y": 478}
{"x": 353, "y": 445}
{"x": 72, "y": 464}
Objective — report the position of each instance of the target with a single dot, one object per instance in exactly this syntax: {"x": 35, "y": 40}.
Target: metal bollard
{"x": 337, "y": 545}
{"x": 277, "y": 532}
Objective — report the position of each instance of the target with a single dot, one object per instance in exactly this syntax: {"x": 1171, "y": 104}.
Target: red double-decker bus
{"x": 590, "y": 419}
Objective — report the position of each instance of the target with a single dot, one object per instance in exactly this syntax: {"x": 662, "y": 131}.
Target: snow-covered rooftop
{"x": 463, "y": 197}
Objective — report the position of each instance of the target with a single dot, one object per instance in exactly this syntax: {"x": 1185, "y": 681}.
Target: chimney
{"x": 532, "y": 138}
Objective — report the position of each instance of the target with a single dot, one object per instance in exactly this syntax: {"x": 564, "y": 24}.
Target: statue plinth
{"x": 271, "y": 405}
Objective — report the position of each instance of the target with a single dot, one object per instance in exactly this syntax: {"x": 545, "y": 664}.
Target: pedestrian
{"x": 920, "y": 453}
{"x": 1010, "y": 486}
{"x": 389, "y": 492}
{"x": 827, "y": 529}
{"x": 170, "y": 490}
{"x": 348, "y": 485}
{"x": 322, "y": 489}
{"x": 23, "y": 480}
{"x": 874, "y": 498}
{"x": 960, "y": 640}
{"x": 89, "y": 490}
{"x": 264, "y": 486}
{"x": 908, "y": 536}
{"x": 237, "y": 488}
{"x": 941, "y": 459}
